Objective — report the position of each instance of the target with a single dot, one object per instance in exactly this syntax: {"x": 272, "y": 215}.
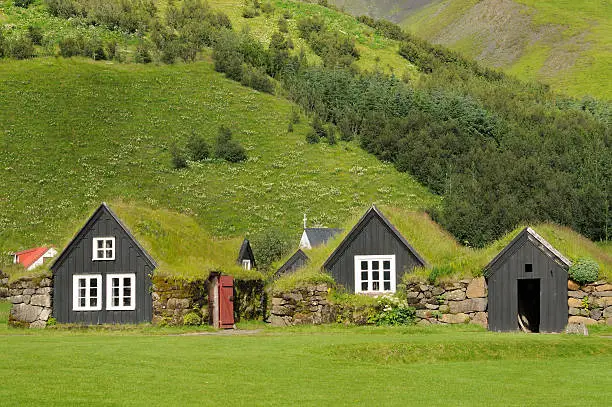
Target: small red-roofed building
{"x": 35, "y": 257}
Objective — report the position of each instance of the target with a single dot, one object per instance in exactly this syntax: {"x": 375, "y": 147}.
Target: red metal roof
{"x": 28, "y": 257}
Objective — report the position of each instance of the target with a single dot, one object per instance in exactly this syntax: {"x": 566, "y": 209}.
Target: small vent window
{"x": 528, "y": 268}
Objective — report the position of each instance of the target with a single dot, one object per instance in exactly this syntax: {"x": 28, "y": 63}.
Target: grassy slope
{"x": 564, "y": 43}
{"x": 306, "y": 366}
{"x": 76, "y": 132}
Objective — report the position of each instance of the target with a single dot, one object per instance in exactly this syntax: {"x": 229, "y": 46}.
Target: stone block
{"x": 45, "y": 314}
{"x": 412, "y": 294}
{"x": 322, "y": 288}
{"x": 603, "y": 293}
{"x": 572, "y": 285}
{"x": 424, "y": 322}
{"x": 576, "y": 294}
{"x": 444, "y": 308}
{"x": 18, "y": 299}
{"x": 609, "y": 321}
{"x": 41, "y": 300}
{"x": 281, "y": 310}
{"x": 576, "y": 329}
{"x": 293, "y": 296}
{"x": 575, "y": 303}
{"x": 437, "y": 291}
{"x": 455, "y": 295}
{"x": 581, "y": 320}
{"x": 276, "y": 320}
{"x": 29, "y": 291}
{"x": 480, "y": 318}
{"x": 604, "y": 287}
{"x": 604, "y": 302}
{"x": 470, "y": 305}
{"x": 460, "y": 318}
{"x": 38, "y": 324}
{"x": 574, "y": 311}
{"x": 595, "y": 314}
{"x": 25, "y": 312}
{"x": 276, "y": 301}
{"x": 607, "y": 313}
{"x": 588, "y": 288}
{"x": 422, "y": 313}
{"x": 44, "y": 290}
{"x": 46, "y": 282}
{"x": 177, "y": 303}
{"x": 477, "y": 288}
{"x": 432, "y": 306}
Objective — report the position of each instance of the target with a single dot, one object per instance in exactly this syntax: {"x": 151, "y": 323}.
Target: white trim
{"x": 121, "y": 292}
{"x": 51, "y": 252}
{"x": 94, "y": 248}
{"x": 87, "y": 294}
{"x": 304, "y": 242}
{"x": 381, "y": 280}
{"x": 246, "y": 264}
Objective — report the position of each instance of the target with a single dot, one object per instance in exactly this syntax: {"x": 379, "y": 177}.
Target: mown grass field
{"x": 331, "y": 365}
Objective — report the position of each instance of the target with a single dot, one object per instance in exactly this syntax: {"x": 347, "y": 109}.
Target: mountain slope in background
{"x": 566, "y": 44}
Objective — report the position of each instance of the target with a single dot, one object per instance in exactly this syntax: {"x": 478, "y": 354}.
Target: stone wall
{"x": 4, "y": 290}
{"x": 464, "y": 301}
{"x": 175, "y": 298}
{"x": 590, "y": 304}
{"x": 32, "y": 299}
{"x": 307, "y": 305}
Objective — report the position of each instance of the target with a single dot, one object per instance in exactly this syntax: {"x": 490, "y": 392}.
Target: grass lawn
{"x": 330, "y": 365}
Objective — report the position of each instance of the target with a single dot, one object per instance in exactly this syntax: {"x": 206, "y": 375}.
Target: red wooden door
{"x": 226, "y": 302}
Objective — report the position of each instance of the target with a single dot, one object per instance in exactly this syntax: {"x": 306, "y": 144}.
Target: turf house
{"x": 103, "y": 275}
{"x": 298, "y": 260}
{"x": 246, "y": 258}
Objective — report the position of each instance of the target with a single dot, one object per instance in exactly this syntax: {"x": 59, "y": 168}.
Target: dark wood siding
{"x": 374, "y": 238}
{"x": 295, "y": 262}
{"x": 503, "y": 295}
{"x": 78, "y": 260}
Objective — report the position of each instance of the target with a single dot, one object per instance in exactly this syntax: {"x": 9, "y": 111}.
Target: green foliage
{"x": 312, "y": 137}
{"x": 440, "y": 271}
{"x": 257, "y": 79}
{"x": 192, "y": 319}
{"x": 35, "y": 34}
{"x": 584, "y": 271}
{"x": 23, "y": 3}
{"x": 178, "y": 157}
{"x": 227, "y": 148}
{"x": 20, "y": 47}
{"x": 336, "y": 49}
{"x": 390, "y": 310}
{"x": 269, "y": 246}
{"x": 51, "y": 321}
{"x": 143, "y": 54}
{"x": 250, "y": 12}
{"x": 197, "y": 148}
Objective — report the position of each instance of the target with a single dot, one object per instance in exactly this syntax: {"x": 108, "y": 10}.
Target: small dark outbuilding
{"x": 103, "y": 276}
{"x": 373, "y": 257}
{"x": 295, "y": 262}
{"x": 245, "y": 256}
{"x": 527, "y": 284}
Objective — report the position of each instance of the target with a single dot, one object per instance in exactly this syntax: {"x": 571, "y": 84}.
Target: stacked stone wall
{"x": 308, "y": 305}
{"x": 175, "y": 298}
{"x": 4, "y": 289}
{"x": 32, "y": 299}
{"x": 590, "y": 303}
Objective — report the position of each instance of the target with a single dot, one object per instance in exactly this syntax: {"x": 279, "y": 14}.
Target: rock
{"x": 604, "y": 287}
{"x": 451, "y": 286}
{"x": 303, "y": 319}
{"x": 574, "y": 311}
{"x": 276, "y": 301}
{"x": 41, "y": 300}
{"x": 456, "y": 295}
{"x": 575, "y": 303}
{"x": 177, "y": 303}
{"x": 275, "y": 320}
{"x": 45, "y": 314}
{"x": 38, "y": 324}
{"x": 293, "y": 297}
{"x": 480, "y": 318}
{"x": 49, "y": 290}
{"x": 46, "y": 282}
{"x": 607, "y": 313}
{"x": 322, "y": 288}
{"x": 412, "y": 294}
{"x": 572, "y": 285}
{"x": 437, "y": 291}
{"x": 471, "y": 305}
{"x": 444, "y": 308}
{"x": 17, "y": 299}
{"x": 576, "y": 329}
{"x": 477, "y": 288}
{"x": 595, "y": 314}
{"x": 604, "y": 302}
{"x": 25, "y": 312}
{"x": 423, "y": 322}
{"x": 29, "y": 291}
{"x": 603, "y": 293}
{"x": 422, "y": 313}
{"x": 424, "y": 287}
{"x": 576, "y": 294}
{"x": 588, "y": 288}
{"x": 455, "y": 318}
{"x": 581, "y": 320}
{"x": 431, "y": 306}
{"x": 609, "y": 321}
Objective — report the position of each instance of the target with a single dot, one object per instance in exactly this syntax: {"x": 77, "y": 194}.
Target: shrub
{"x": 391, "y": 310}
{"x": 143, "y": 52}
{"x": 331, "y": 135}
{"x": 197, "y": 148}
{"x": 282, "y": 25}
{"x": 227, "y": 148}
{"x": 20, "y": 47}
{"x": 250, "y": 12}
{"x": 257, "y": 79}
{"x": 178, "y": 157}
{"x": 35, "y": 34}
{"x": 270, "y": 246}
{"x": 267, "y": 8}
{"x": 584, "y": 271}
{"x": 94, "y": 48}
{"x": 51, "y": 321}
{"x": 192, "y": 319}
{"x": 71, "y": 46}
{"x": 312, "y": 137}
{"x": 23, "y": 3}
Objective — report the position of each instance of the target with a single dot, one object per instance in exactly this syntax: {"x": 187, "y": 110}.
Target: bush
{"x": 331, "y": 135}
{"x": 197, "y": 148}
{"x": 227, "y": 148}
{"x": 35, "y": 34}
{"x": 192, "y": 319}
{"x": 71, "y": 46}
{"x": 250, "y": 12}
{"x": 51, "y": 321}
{"x": 584, "y": 271}
{"x": 20, "y": 47}
{"x": 282, "y": 25}
{"x": 391, "y": 310}
{"x": 269, "y": 246}
{"x": 143, "y": 52}
{"x": 178, "y": 157}
{"x": 312, "y": 137}
{"x": 257, "y": 79}
{"x": 23, "y": 3}
{"x": 267, "y": 8}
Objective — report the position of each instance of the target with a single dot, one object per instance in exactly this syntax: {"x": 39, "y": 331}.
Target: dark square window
{"x": 364, "y": 265}
{"x": 364, "y": 275}
{"x": 375, "y": 265}
{"x": 375, "y": 275}
{"x": 528, "y": 268}
{"x": 386, "y": 264}
{"x": 364, "y": 286}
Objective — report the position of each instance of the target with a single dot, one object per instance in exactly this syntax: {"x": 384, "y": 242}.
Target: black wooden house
{"x": 373, "y": 257}
{"x": 246, "y": 258}
{"x": 298, "y": 260}
{"x": 103, "y": 276}
{"x": 527, "y": 284}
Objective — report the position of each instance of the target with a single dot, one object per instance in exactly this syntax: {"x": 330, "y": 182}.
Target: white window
{"x": 246, "y": 264}
{"x": 87, "y": 292}
{"x": 375, "y": 274}
{"x": 121, "y": 292}
{"x": 103, "y": 248}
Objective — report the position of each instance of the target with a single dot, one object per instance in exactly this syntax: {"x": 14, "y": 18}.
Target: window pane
{"x": 127, "y": 302}
{"x": 109, "y": 254}
{"x": 100, "y": 254}
{"x": 127, "y": 282}
{"x": 364, "y": 265}
{"x": 387, "y": 275}
{"x": 82, "y": 292}
{"x": 364, "y": 286}
{"x": 115, "y": 291}
{"x": 93, "y": 302}
{"x": 93, "y": 282}
{"x": 100, "y": 244}
{"x": 387, "y": 285}
{"x": 386, "y": 265}
{"x": 93, "y": 292}
{"x": 364, "y": 276}
{"x": 115, "y": 282}
{"x": 375, "y": 275}
{"x": 109, "y": 243}
{"x": 127, "y": 291}
{"x": 82, "y": 302}
{"x": 375, "y": 265}
{"x": 375, "y": 286}
{"x": 81, "y": 282}
{"x": 115, "y": 302}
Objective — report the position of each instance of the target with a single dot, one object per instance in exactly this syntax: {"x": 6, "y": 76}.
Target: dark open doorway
{"x": 529, "y": 305}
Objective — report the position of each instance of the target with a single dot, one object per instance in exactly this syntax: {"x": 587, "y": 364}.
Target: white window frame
{"x": 109, "y": 292}
{"x": 246, "y": 264}
{"x": 75, "y": 292}
{"x": 369, "y": 259}
{"x": 94, "y": 255}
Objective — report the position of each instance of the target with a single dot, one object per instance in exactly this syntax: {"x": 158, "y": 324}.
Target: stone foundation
{"x": 4, "y": 289}
{"x": 307, "y": 305}
{"x": 32, "y": 299}
{"x": 589, "y": 304}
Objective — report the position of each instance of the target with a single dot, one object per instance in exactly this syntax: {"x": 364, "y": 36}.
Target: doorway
{"x": 529, "y": 305}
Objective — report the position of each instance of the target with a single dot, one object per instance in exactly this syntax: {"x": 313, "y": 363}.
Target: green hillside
{"x": 76, "y": 132}
{"x": 567, "y": 44}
